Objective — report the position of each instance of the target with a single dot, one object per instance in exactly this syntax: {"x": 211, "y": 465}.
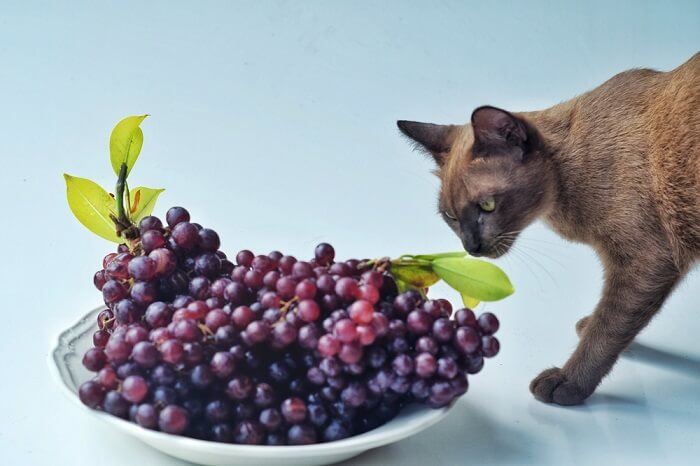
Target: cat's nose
{"x": 472, "y": 245}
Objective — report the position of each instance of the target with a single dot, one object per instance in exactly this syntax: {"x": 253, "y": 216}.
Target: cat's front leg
{"x": 634, "y": 291}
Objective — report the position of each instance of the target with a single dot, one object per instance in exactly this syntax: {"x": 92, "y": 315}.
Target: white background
{"x": 273, "y": 123}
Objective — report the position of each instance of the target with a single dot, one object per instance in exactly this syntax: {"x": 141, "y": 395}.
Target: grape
{"x": 145, "y": 354}
{"x": 202, "y": 376}
{"x": 402, "y": 365}
{"x": 361, "y": 311}
{"x": 354, "y": 395}
{"x": 117, "y": 350}
{"x": 142, "y": 268}
{"x": 443, "y": 329}
{"x": 474, "y": 363}
{"x": 318, "y": 415}
{"x": 115, "y": 404}
{"x": 308, "y": 310}
{"x": 301, "y": 434}
{"x": 263, "y": 264}
{"x": 489, "y": 346}
{"x": 308, "y": 336}
{"x": 134, "y": 388}
{"x": 208, "y": 265}
{"x": 365, "y": 335}
{"x": 350, "y": 353}
{"x": 223, "y": 364}
{"x": 173, "y": 419}
{"x": 488, "y": 323}
{"x": 264, "y": 395}
{"x": 215, "y": 319}
{"x": 217, "y": 411}
{"x": 345, "y": 330}
{"x": 258, "y": 331}
{"x": 163, "y": 374}
{"x": 199, "y": 287}
{"x": 419, "y": 322}
{"x": 284, "y": 333}
{"x": 240, "y": 388}
{"x": 270, "y": 419}
{"x": 135, "y": 334}
{"x": 94, "y": 359}
{"x": 222, "y": 433}
{"x": 324, "y": 254}
{"x": 294, "y": 410}
{"x": 248, "y": 433}
{"x": 147, "y": 416}
{"x": 113, "y": 291}
{"x": 467, "y": 339}
{"x": 143, "y": 294}
{"x": 150, "y": 223}
{"x": 165, "y": 261}
{"x": 176, "y": 215}
{"x": 185, "y": 235}
{"x": 209, "y": 240}
{"x": 336, "y": 430}
{"x": 152, "y": 239}
{"x": 100, "y": 338}
{"x": 99, "y": 279}
{"x": 427, "y": 344}
{"x": 91, "y": 393}
{"x": 347, "y": 288}
{"x": 425, "y": 365}
{"x": 245, "y": 258}
{"x": 465, "y": 318}
{"x": 187, "y": 330}
{"x": 447, "y": 368}
{"x": 107, "y": 377}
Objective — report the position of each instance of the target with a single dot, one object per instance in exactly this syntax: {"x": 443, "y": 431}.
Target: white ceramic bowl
{"x": 65, "y": 361}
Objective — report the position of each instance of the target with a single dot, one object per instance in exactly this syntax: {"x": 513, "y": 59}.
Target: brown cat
{"x": 617, "y": 168}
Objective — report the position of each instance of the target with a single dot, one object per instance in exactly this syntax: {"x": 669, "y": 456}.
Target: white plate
{"x": 65, "y": 360}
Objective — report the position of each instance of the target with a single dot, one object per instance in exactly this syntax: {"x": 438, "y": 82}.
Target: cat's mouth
{"x": 495, "y": 250}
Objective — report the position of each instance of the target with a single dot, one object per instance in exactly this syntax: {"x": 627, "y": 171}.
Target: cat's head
{"x": 495, "y": 176}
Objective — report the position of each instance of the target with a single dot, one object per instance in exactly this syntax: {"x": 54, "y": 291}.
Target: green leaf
{"x": 415, "y": 275}
{"x": 92, "y": 206}
{"x": 125, "y": 143}
{"x": 476, "y": 278}
{"x": 142, "y": 201}
{"x": 469, "y": 301}
{"x": 441, "y": 255}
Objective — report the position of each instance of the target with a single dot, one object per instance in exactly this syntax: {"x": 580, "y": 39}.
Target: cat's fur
{"x": 617, "y": 168}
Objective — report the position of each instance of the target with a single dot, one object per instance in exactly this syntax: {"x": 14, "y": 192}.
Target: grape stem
{"x": 122, "y": 221}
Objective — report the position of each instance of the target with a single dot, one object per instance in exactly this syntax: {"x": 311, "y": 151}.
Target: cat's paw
{"x": 552, "y": 386}
{"x": 581, "y": 325}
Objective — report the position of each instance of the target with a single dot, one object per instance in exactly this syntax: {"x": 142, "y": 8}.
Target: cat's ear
{"x": 497, "y": 129}
{"x": 433, "y": 139}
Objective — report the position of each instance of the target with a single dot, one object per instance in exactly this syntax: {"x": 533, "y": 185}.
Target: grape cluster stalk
{"x": 268, "y": 349}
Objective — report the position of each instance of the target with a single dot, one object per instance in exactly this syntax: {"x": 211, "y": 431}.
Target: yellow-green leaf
{"x": 469, "y": 301}
{"x": 476, "y": 278}
{"x": 142, "y": 201}
{"x": 441, "y": 255}
{"x": 125, "y": 143}
{"x": 92, "y": 206}
{"x": 414, "y": 275}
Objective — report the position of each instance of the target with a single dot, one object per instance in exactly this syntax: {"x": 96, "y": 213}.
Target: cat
{"x": 617, "y": 168}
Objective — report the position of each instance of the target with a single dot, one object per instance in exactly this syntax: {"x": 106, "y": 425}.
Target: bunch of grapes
{"x": 268, "y": 349}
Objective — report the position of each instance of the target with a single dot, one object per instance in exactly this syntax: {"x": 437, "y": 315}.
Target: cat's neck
{"x": 556, "y": 126}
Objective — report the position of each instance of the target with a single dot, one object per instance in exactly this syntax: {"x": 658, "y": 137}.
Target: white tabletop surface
{"x": 273, "y": 122}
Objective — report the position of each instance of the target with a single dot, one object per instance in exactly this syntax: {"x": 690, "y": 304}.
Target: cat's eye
{"x": 488, "y": 204}
{"x": 448, "y": 215}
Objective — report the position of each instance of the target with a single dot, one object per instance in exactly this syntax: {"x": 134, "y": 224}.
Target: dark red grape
{"x": 173, "y": 419}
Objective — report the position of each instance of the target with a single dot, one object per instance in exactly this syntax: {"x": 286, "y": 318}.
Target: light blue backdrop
{"x": 273, "y": 122}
